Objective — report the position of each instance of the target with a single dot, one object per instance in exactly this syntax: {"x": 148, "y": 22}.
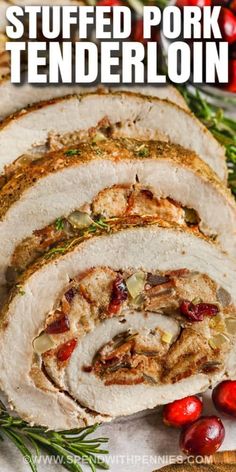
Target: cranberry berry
{"x": 204, "y": 437}
{"x": 224, "y": 397}
{"x": 182, "y": 412}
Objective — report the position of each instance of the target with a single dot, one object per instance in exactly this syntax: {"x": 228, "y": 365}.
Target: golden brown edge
{"x": 88, "y": 151}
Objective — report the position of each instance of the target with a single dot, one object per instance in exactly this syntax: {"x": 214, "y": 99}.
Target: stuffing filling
{"x": 191, "y": 330}
{"x": 111, "y": 204}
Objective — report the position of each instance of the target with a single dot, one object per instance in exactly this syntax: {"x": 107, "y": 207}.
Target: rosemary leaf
{"x": 222, "y": 127}
{"x": 17, "y": 440}
{"x": 59, "y": 224}
{"x": 73, "y": 448}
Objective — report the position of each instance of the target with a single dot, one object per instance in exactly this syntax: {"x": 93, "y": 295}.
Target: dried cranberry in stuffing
{"x": 60, "y": 325}
{"x": 147, "y": 193}
{"x": 70, "y": 294}
{"x": 119, "y": 295}
{"x": 199, "y": 311}
{"x": 114, "y": 307}
{"x": 65, "y": 351}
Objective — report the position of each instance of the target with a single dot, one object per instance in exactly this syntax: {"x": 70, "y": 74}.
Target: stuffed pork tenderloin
{"x": 54, "y": 124}
{"x": 118, "y": 323}
{"x": 76, "y": 190}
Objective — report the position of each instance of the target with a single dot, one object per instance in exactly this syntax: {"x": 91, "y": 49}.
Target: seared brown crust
{"x": 111, "y": 149}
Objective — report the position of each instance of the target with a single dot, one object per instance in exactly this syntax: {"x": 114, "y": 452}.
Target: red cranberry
{"x": 204, "y": 437}
{"x": 109, "y": 3}
{"x": 182, "y": 412}
{"x": 119, "y": 295}
{"x": 224, "y": 397}
{"x": 232, "y": 6}
{"x": 60, "y": 325}
{"x": 193, "y": 3}
{"x": 137, "y": 35}
{"x": 199, "y": 311}
{"x": 227, "y": 22}
{"x": 65, "y": 351}
{"x": 137, "y": 31}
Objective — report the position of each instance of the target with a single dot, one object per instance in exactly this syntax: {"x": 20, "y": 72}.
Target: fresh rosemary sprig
{"x": 223, "y": 128}
{"x": 69, "y": 447}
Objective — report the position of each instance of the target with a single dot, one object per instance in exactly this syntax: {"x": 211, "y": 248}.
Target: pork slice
{"x": 17, "y": 97}
{"x": 58, "y": 185}
{"x": 128, "y": 114}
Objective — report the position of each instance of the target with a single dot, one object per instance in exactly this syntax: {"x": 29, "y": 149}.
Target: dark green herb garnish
{"x": 70, "y": 447}
{"x": 98, "y": 224}
{"x": 223, "y": 128}
{"x": 62, "y": 249}
{"x": 142, "y": 151}
{"x": 72, "y": 152}
{"x": 59, "y": 224}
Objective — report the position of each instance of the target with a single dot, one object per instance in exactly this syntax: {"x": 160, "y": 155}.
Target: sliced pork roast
{"x": 14, "y": 97}
{"x": 56, "y": 123}
{"x": 117, "y": 323}
{"x": 77, "y": 189}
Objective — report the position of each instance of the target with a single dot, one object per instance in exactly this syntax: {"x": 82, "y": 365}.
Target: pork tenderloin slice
{"x": 62, "y": 183}
{"x": 17, "y": 97}
{"x": 24, "y": 315}
{"x": 129, "y": 114}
